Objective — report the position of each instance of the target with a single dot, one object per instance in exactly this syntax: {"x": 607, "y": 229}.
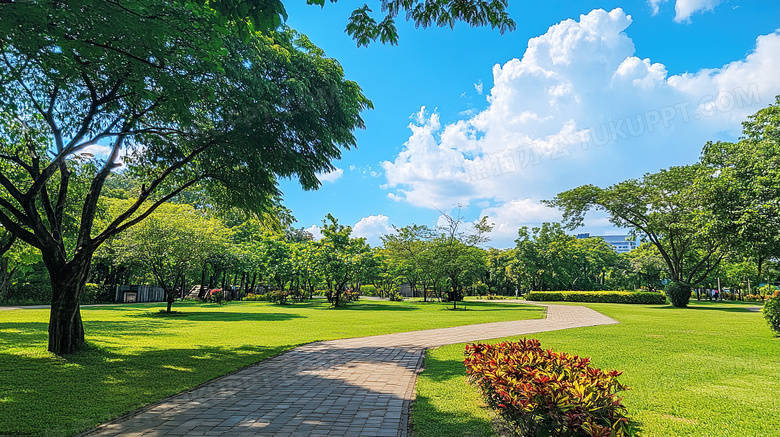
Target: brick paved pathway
{"x": 352, "y": 387}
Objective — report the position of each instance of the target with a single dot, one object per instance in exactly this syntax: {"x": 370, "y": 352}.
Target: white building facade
{"x": 619, "y": 243}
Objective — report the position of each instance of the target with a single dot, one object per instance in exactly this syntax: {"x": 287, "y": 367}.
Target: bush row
{"x": 642, "y": 297}
{"x": 544, "y": 393}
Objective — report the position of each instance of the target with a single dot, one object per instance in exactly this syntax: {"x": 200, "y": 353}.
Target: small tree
{"x": 461, "y": 262}
{"x": 172, "y": 244}
{"x": 343, "y": 257}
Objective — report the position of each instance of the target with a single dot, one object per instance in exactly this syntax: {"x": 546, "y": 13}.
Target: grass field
{"x": 710, "y": 370}
{"x": 136, "y": 356}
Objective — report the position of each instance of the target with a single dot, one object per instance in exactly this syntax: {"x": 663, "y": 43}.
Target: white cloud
{"x": 685, "y": 8}
{"x": 578, "y": 107}
{"x": 478, "y": 87}
{"x": 654, "y": 5}
{"x": 332, "y": 176}
{"x": 102, "y": 152}
{"x": 315, "y": 231}
{"x": 510, "y": 216}
{"x": 372, "y": 227}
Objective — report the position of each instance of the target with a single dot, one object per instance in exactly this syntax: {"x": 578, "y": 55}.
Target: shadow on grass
{"x": 23, "y": 334}
{"x": 44, "y": 394}
{"x": 428, "y": 421}
{"x": 709, "y": 306}
{"x": 360, "y": 306}
{"x": 216, "y": 316}
{"x": 445, "y": 405}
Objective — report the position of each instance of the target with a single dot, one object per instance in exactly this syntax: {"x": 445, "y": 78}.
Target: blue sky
{"x": 582, "y": 92}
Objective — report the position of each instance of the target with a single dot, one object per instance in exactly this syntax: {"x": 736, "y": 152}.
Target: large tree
{"x": 170, "y": 97}
{"x": 744, "y": 187}
{"x": 668, "y": 208}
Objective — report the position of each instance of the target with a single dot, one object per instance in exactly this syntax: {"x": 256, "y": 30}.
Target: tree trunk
{"x": 66, "y": 331}
{"x": 5, "y": 278}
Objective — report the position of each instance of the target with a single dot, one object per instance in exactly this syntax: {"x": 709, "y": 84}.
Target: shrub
{"x": 771, "y": 312}
{"x": 256, "y": 297}
{"x": 216, "y": 296}
{"x": 640, "y": 297}
{"x": 368, "y": 290}
{"x": 678, "y": 293}
{"x": 766, "y": 290}
{"x": 276, "y": 296}
{"x": 297, "y": 294}
{"x": 541, "y": 392}
{"x": 756, "y": 298}
{"x": 90, "y": 293}
{"x": 481, "y": 288}
{"x": 396, "y": 297}
{"x": 350, "y": 296}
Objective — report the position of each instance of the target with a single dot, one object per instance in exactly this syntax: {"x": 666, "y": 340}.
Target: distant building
{"x": 619, "y": 243}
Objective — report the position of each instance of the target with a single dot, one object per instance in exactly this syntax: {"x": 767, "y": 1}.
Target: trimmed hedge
{"x": 642, "y": 297}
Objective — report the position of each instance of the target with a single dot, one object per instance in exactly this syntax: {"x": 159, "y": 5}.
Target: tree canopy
{"x": 666, "y": 207}
{"x": 160, "y": 91}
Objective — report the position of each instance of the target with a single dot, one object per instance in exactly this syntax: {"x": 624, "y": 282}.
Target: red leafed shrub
{"x": 541, "y": 392}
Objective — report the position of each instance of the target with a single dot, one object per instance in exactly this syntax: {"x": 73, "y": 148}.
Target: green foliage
{"x": 368, "y": 290}
{"x": 90, "y": 293}
{"x": 745, "y": 185}
{"x": 364, "y": 28}
{"x": 351, "y": 296}
{"x": 666, "y": 207}
{"x": 216, "y": 296}
{"x": 172, "y": 244}
{"x": 548, "y": 258}
{"x": 396, "y": 297}
{"x": 771, "y": 313}
{"x": 480, "y": 288}
{"x": 678, "y": 293}
{"x": 541, "y": 392}
{"x": 277, "y": 296}
{"x": 343, "y": 258}
{"x": 634, "y": 297}
{"x": 756, "y": 297}
{"x": 179, "y": 95}
{"x": 255, "y": 297}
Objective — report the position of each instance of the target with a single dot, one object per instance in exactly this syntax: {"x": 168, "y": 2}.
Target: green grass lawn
{"x": 710, "y": 370}
{"x": 135, "y": 356}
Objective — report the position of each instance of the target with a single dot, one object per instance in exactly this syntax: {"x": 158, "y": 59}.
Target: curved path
{"x": 352, "y": 387}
